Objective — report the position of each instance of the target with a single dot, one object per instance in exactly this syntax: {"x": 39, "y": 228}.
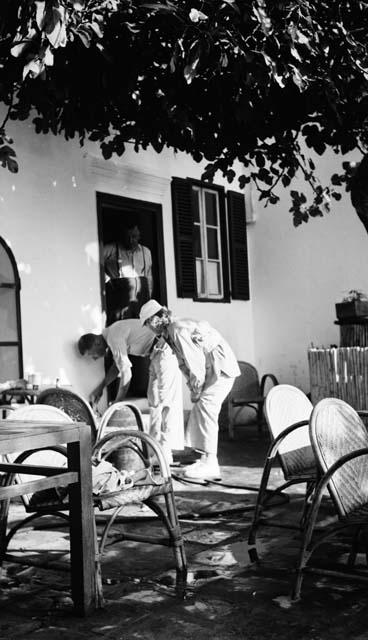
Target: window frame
{"x": 204, "y": 226}
{"x": 223, "y": 242}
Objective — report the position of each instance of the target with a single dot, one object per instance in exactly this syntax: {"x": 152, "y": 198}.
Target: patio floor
{"x": 228, "y": 597}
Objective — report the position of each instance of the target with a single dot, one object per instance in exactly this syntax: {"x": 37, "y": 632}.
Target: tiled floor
{"x": 228, "y": 596}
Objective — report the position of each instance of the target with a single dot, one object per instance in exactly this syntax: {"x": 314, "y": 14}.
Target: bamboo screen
{"x": 339, "y": 373}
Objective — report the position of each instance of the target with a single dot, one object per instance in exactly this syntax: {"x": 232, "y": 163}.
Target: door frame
{"x": 130, "y": 205}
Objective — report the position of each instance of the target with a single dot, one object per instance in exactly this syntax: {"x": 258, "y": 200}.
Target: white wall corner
{"x": 132, "y": 180}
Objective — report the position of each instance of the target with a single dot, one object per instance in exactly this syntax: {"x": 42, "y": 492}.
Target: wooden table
{"x": 18, "y": 436}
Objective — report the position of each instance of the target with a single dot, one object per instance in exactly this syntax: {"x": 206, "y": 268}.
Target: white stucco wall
{"x": 298, "y": 274}
{"x": 48, "y": 216}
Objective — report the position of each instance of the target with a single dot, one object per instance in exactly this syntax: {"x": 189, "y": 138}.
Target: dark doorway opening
{"x": 115, "y": 213}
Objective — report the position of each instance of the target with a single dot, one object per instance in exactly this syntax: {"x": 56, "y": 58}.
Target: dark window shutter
{"x": 181, "y": 193}
{"x": 224, "y": 248}
{"x": 238, "y": 246}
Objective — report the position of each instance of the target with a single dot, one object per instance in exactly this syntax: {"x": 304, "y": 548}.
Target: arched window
{"x": 11, "y": 360}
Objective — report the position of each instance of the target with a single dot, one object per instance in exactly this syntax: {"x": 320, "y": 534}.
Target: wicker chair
{"x": 136, "y": 449}
{"x": 340, "y": 444}
{"x": 248, "y": 392}
{"x": 72, "y": 404}
{"x": 120, "y": 415}
{"x": 287, "y": 411}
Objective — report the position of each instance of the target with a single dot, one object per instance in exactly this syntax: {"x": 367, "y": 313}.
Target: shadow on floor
{"x": 228, "y": 596}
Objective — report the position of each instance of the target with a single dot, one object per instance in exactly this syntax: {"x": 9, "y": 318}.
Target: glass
{"x": 211, "y": 208}
{"x": 201, "y": 290}
{"x": 9, "y": 363}
{"x": 8, "y": 315}
{"x": 6, "y": 267}
{"x": 214, "y": 279}
{"x": 195, "y": 205}
{"x": 197, "y": 241}
{"x": 212, "y": 244}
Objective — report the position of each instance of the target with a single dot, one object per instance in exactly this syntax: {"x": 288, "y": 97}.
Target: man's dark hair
{"x": 86, "y": 342}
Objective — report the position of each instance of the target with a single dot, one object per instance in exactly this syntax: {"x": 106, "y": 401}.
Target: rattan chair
{"x": 248, "y": 392}
{"x": 120, "y": 415}
{"x": 340, "y": 444}
{"x": 287, "y": 411}
{"x": 153, "y": 487}
{"x": 72, "y": 404}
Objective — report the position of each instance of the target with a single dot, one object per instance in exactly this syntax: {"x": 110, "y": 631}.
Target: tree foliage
{"x": 257, "y": 81}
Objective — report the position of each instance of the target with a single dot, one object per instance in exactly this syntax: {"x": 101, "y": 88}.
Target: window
{"x": 10, "y": 329}
{"x": 210, "y": 242}
{"x": 207, "y": 243}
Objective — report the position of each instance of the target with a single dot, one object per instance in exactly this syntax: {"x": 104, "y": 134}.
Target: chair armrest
{"x": 273, "y": 379}
{"x": 274, "y": 446}
{"x": 340, "y": 463}
{"x": 326, "y": 477}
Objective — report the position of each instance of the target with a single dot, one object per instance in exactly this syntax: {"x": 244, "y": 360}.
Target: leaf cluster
{"x": 254, "y": 81}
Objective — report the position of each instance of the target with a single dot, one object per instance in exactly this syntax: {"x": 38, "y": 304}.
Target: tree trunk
{"x": 359, "y": 191}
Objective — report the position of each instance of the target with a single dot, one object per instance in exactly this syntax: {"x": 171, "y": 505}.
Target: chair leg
{"x": 231, "y": 420}
{"x": 306, "y": 548}
{"x": 178, "y": 545}
{"x": 261, "y": 499}
{"x": 98, "y": 574}
{"x": 171, "y": 522}
{"x": 4, "y": 512}
{"x": 308, "y": 499}
{"x": 260, "y": 418}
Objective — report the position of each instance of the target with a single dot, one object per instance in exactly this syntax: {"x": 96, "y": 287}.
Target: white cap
{"x": 149, "y": 309}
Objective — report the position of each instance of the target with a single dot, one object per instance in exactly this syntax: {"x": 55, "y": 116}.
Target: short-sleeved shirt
{"x": 202, "y": 353}
{"x": 127, "y": 337}
{"x": 125, "y": 263}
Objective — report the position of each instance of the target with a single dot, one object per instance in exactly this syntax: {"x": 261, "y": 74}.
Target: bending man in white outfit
{"x": 210, "y": 368}
{"x": 128, "y": 337}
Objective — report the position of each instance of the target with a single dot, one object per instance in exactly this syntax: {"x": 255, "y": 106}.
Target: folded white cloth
{"x": 106, "y": 478}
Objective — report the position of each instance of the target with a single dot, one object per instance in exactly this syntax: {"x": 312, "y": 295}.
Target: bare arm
{"x": 122, "y": 390}
{"x": 110, "y": 376}
{"x": 148, "y": 260}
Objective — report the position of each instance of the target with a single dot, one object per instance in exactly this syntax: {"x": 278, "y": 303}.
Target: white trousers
{"x": 165, "y": 396}
{"x": 202, "y": 429}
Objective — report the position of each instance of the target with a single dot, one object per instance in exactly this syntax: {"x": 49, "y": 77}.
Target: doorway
{"x": 115, "y": 213}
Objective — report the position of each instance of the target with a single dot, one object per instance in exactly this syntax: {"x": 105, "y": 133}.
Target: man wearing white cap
{"x": 209, "y": 366}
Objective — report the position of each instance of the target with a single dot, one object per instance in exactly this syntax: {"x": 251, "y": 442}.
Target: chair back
{"x": 247, "y": 384}
{"x": 72, "y": 404}
{"x": 122, "y": 416}
{"x": 43, "y": 457}
{"x": 285, "y": 405}
{"x": 337, "y": 430}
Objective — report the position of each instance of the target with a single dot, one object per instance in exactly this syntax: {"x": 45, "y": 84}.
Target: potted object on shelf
{"x": 354, "y": 305}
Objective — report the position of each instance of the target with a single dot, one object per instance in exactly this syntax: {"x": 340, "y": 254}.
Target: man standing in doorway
{"x": 129, "y": 280}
